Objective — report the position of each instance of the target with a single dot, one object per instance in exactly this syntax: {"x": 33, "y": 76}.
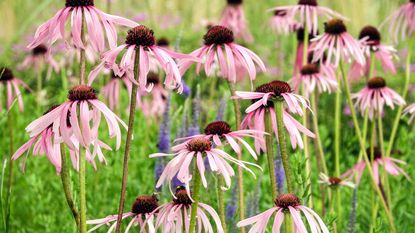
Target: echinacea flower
{"x": 402, "y": 21}
{"x": 262, "y": 102}
{"x": 233, "y": 17}
{"x": 141, "y": 213}
{"x": 12, "y": 85}
{"x": 338, "y": 44}
{"x": 411, "y": 111}
{"x": 157, "y": 104}
{"x": 173, "y": 217}
{"x": 298, "y": 64}
{"x": 334, "y": 182}
{"x": 370, "y": 39}
{"x": 40, "y": 55}
{"x": 141, "y": 44}
{"x": 83, "y": 110}
{"x": 389, "y": 164}
{"x": 198, "y": 148}
{"x": 313, "y": 77}
{"x": 96, "y": 23}
{"x": 221, "y": 130}
{"x": 375, "y": 95}
{"x": 46, "y": 143}
{"x": 282, "y": 23}
{"x": 111, "y": 90}
{"x": 219, "y": 48}
{"x": 286, "y": 204}
{"x": 307, "y": 12}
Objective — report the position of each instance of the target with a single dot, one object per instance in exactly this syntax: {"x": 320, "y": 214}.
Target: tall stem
{"x": 66, "y": 184}
{"x": 221, "y": 202}
{"x": 270, "y": 145}
{"x": 337, "y": 122}
{"x": 305, "y": 121}
{"x": 237, "y": 110}
{"x": 82, "y": 55}
{"x": 279, "y": 109}
{"x": 288, "y": 223}
{"x": 404, "y": 95}
{"x": 133, "y": 104}
{"x": 82, "y": 158}
{"x": 320, "y": 156}
{"x": 195, "y": 197}
{"x": 10, "y": 165}
{"x": 82, "y": 189}
{"x": 363, "y": 150}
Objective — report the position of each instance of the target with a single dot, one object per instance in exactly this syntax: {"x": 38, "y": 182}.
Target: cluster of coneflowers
{"x": 144, "y": 66}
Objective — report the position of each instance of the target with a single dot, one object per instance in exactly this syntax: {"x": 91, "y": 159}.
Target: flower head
{"x": 82, "y": 110}
{"x": 370, "y": 42}
{"x": 219, "y": 48}
{"x": 174, "y": 215}
{"x": 376, "y": 159}
{"x": 402, "y": 21}
{"x": 262, "y": 99}
{"x": 334, "y": 182}
{"x": 233, "y": 17}
{"x": 307, "y": 12}
{"x": 338, "y": 44}
{"x": 140, "y": 45}
{"x": 96, "y": 23}
{"x": 198, "y": 148}
{"x": 157, "y": 104}
{"x": 142, "y": 213}
{"x": 411, "y": 111}
{"x": 313, "y": 76}
{"x": 283, "y": 23}
{"x": 290, "y": 204}
{"x": 375, "y": 95}
{"x": 39, "y": 56}
{"x": 111, "y": 90}
{"x": 219, "y": 131}
{"x": 12, "y": 86}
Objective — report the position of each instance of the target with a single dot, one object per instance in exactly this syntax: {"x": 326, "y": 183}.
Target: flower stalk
{"x": 270, "y": 145}
{"x": 133, "y": 104}
{"x": 195, "y": 196}
{"x": 279, "y": 109}
{"x": 221, "y": 202}
{"x": 411, "y": 45}
{"x": 238, "y": 120}
{"x": 65, "y": 178}
{"x": 82, "y": 190}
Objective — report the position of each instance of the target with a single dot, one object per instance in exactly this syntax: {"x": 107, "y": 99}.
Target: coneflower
{"x": 12, "y": 85}
{"x": 402, "y": 21}
{"x": 39, "y": 56}
{"x": 142, "y": 213}
{"x": 233, "y": 17}
{"x": 96, "y": 22}
{"x": 164, "y": 139}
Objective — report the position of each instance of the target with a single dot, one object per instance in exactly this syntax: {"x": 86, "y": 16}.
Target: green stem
{"x": 363, "y": 149}
{"x": 404, "y": 95}
{"x": 238, "y": 118}
{"x": 221, "y": 202}
{"x": 288, "y": 223}
{"x": 82, "y": 55}
{"x": 279, "y": 108}
{"x": 10, "y": 165}
{"x": 66, "y": 184}
{"x": 39, "y": 81}
{"x": 133, "y": 105}
{"x": 320, "y": 156}
{"x": 195, "y": 196}
{"x": 305, "y": 122}
{"x": 337, "y": 125}
{"x": 82, "y": 189}
{"x": 270, "y": 145}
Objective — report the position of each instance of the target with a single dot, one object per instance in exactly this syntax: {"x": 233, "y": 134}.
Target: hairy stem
{"x": 221, "y": 202}
{"x": 131, "y": 119}
{"x": 270, "y": 145}
{"x": 279, "y": 109}
{"x": 237, "y": 110}
{"x": 195, "y": 196}
{"x": 66, "y": 184}
{"x": 82, "y": 190}
{"x": 10, "y": 165}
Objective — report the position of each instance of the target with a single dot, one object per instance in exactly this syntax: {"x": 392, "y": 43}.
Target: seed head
{"x": 199, "y": 144}
{"x": 82, "y": 92}
{"x": 140, "y": 36}
{"x": 218, "y": 128}
{"x": 181, "y": 197}
{"x": 77, "y": 3}
{"x": 335, "y": 27}
{"x": 6, "y": 74}
{"x": 376, "y": 83}
{"x": 218, "y": 35}
{"x": 285, "y": 200}
{"x": 145, "y": 204}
